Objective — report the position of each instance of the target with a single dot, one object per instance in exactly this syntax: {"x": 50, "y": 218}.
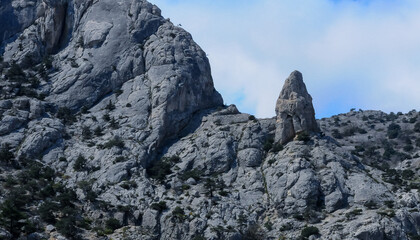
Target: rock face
{"x": 294, "y": 110}
{"x": 110, "y": 124}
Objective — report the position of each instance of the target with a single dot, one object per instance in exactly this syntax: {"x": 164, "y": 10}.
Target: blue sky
{"x": 353, "y": 54}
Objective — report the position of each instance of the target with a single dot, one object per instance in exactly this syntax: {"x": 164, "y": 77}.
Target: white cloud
{"x": 362, "y": 54}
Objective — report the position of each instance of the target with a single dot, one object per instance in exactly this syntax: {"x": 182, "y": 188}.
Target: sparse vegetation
{"x": 6, "y": 154}
{"x": 178, "y": 213}
{"x": 80, "y": 163}
{"x": 303, "y": 136}
{"x": 355, "y": 212}
{"x": 336, "y": 134}
{"x": 65, "y": 114}
{"x": 195, "y": 174}
{"x": 417, "y": 127}
{"x": 86, "y": 133}
{"x": 113, "y": 224}
{"x": 277, "y": 147}
{"x": 160, "y": 206}
{"x": 309, "y": 231}
{"x": 393, "y": 130}
{"x": 253, "y": 232}
{"x": 113, "y": 123}
{"x": 15, "y": 74}
{"x": 110, "y": 106}
{"x": 159, "y": 169}
{"x": 128, "y": 185}
{"x": 115, "y": 142}
{"x": 98, "y": 131}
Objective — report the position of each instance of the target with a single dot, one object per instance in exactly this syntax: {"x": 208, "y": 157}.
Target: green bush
{"x": 113, "y": 123}
{"x": 110, "y": 106}
{"x": 46, "y": 211}
{"x": 6, "y": 154}
{"x": 159, "y": 169}
{"x": 65, "y": 114}
{"x": 387, "y": 213}
{"x": 414, "y": 236}
{"x": 119, "y": 159}
{"x": 253, "y": 232}
{"x": 113, "y": 224}
{"x": 128, "y": 185}
{"x": 309, "y": 231}
{"x": 303, "y": 136}
{"x": 67, "y": 224}
{"x": 80, "y": 164}
{"x": 86, "y": 133}
{"x": 417, "y": 127}
{"x": 106, "y": 117}
{"x": 393, "y": 130}
{"x": 349, "y": 131}
{"x": 407, "y": 174}
{"x": 354, "y": 213}
{"x": 336, "y": 134}
{"x": 178, "y": 213}
{"x": 47, "y": 62}
{"x": 15, "y": 73}
{"x": 268, "y": 144}
{"x": 371, "y": 205}
{"x": 98, "y": 131}
{"x": 115, "y": 142}
{"x": 11, "y": 215}
{"x": 268, "y": 225}
{"x": 160, "y": 206}
{"x": 277, "y": 147}
{"x": 389, "y": 204}
{"x": 195, "y": 173}
{"x": 174, "y": 159}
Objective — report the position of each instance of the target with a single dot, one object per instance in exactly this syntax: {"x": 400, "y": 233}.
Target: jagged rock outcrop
{"x": 111, "y": 129}
{"x": 294, "y": 110}
{"x": 102, "y": 45}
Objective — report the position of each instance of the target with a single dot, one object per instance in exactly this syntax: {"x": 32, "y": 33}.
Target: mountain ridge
{"x": 111, "y": 129}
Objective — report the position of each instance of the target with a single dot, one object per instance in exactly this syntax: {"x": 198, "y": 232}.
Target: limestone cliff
{"x": 111, "y": 129}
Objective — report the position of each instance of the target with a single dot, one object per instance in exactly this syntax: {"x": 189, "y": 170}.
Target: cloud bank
{"x": 353, "y": 54}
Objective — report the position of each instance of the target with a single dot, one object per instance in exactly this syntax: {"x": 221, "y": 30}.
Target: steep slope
{"x": 111, "y": 129}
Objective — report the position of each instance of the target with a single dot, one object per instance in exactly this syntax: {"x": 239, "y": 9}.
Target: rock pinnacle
{"x": 294, "y": 110}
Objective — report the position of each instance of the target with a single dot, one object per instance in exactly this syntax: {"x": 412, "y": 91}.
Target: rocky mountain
{"x": 111, "y": 129}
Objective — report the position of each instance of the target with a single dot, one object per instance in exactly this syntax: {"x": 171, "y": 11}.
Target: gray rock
{"x": 294, "y": 110}
{"x": 49, "y": 228}
{"x": 250, "y": 157}
{"x": 149, "y": 219}
{"x": 43, "y": 134}
{"x": 95, "y": 33}
{"x": 10, "y": 123}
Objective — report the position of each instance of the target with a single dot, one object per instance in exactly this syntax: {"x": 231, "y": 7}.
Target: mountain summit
{"x": 111, "y": 129}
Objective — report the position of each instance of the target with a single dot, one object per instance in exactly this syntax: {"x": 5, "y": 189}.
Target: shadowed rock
{"x": 294, "y": 110}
